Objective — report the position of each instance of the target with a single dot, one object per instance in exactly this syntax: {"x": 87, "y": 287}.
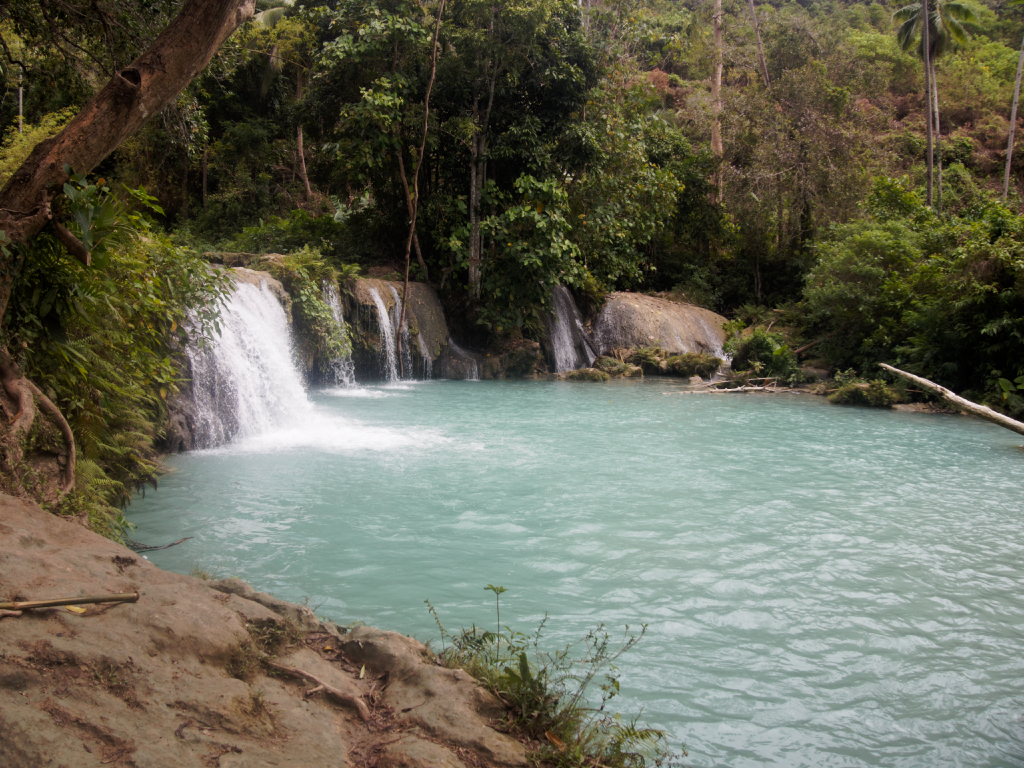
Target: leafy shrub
{"x": 101, "y": 341}
{"x": 876, "y": 394}
{"x": 547, "y": 694}
{"x": 765, "y": 353}
{"x": 319, "y": 340}
{"x": 694, "y": 364}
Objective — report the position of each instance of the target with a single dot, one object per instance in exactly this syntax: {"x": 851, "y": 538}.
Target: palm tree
{"x": 940, "y": 36}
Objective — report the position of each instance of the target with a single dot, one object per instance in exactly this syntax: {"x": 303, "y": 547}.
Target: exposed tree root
{"x": 46, "y": 405}
{"x": 349, "y": 699}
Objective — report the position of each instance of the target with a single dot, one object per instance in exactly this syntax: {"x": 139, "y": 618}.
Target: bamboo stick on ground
{"x": 981, "y": 411}
{"x": 131, "y": 597}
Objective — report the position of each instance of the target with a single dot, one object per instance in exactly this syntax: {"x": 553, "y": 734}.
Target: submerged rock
{"x": 633, "y": 320}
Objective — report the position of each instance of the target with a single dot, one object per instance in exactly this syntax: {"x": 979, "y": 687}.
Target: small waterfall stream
{"x": 569, "y": 341}
{"x": 471, "y": 367}
{"x": 396, "y": 318}
{"x": 389, "y": 357}
{"x": 343, "y": 368}
{"x": 245, "y": 382}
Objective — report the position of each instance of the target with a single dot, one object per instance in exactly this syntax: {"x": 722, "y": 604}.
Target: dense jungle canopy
{"x": 766, "y": 160}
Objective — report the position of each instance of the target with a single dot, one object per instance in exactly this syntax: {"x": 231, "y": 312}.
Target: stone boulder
{"x": 633, "y": 320}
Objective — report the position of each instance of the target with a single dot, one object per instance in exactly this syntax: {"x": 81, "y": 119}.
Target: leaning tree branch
{"x": 132, "y": 96}
{"x": 963, "y": 403}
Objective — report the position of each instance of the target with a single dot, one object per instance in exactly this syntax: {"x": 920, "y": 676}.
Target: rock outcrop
{"x": 633, "y": 320}
{"x": 179, "y": 678}
{"x": 424, "y": 318}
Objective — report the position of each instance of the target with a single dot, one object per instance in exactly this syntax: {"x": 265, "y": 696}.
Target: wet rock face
{"x": 427, "y": 331}
{"x": 632, "y": 320}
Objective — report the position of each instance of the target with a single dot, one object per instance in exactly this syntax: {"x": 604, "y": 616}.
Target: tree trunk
{"x": 938, "y": 137}
{"x": 415, "y": 199}
{"x": 1013, "y": 123}
{"x": 716, "y": 98}
{"x": 299, "y": 145}
{"x": 926, "y": 53}
{"x": 960, "y": 402}
{"x": 131, "y": 97}
{"x": 760, "y": 48}
{"x": 206, "y": 152}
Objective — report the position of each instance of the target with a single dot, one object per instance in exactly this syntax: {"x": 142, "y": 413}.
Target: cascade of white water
{"x": 389, "y": 360}
{"x": 245, "y": 382}
{"x": 428, "y": 361}
{"x": 342, "y": 367}
{"x": 568, "y": 337}
{"x": 472, "y": 369}
{"x": 396, "y": 317}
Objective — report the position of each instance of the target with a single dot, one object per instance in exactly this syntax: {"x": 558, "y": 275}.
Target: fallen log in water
{"x": 981, "y": 411}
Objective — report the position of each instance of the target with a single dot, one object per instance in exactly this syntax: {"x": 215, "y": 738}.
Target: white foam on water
{"x": 326, "y": 432}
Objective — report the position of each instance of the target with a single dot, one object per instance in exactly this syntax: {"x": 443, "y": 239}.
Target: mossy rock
{"x": 617, "y": 368}
{"x": 650, "y": 360}
{"x": 874, "y": 394}
{"x": 585, "y": 374}
{"x": 693, "y": 364}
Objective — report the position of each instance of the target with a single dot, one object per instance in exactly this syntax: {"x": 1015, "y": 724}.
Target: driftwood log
{"x": 130, "y": 597}
{"x": 960, "y": 402}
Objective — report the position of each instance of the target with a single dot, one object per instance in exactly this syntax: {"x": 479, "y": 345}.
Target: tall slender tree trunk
{"x": 416, "y": 181}
{"x": 1013, "y": 124}
{"x": 206, "y": 165}
{"x": 760, "y": 48}
{"x": 926, "y": 54}
{"x": 20, "y": 74}
{"x": 300, "y": 148}
{"x": 716, "y": 97}
{"x": 938, "y": 136}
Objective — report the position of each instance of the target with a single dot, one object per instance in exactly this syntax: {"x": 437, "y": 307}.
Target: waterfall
{"x": 245, "y": 381}
{"x": 472, "y": 370}
{"x": 342, "y": 367}
{"x": 428, "y": 361}
{"x": 396, "y": 315}
{"x": 569, "y": 342}
{"x": 389, "y": 360}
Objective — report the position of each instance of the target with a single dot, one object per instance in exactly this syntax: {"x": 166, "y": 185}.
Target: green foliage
{"x": 17, "y": 146}
{"x": 548, "y": 695}
{"x": 765, "y": 354}
{"x": 101, "y": 341}
{"x": 531, "y": 252}
{"x": 944, "y": 297}
{"x": 694, "y": 364}
{"x": 319, "y": 340}
{"x": 875, "y": 394}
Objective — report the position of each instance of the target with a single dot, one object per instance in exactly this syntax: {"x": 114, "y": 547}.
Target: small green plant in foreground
{"x": 546, "y": 694}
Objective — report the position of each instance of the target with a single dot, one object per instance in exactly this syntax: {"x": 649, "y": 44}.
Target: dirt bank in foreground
{"x": 176, "y": 679}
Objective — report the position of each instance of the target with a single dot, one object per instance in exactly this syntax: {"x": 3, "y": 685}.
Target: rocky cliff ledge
{"x": 179, "y": 678}
{"x": 634, "y": 320}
